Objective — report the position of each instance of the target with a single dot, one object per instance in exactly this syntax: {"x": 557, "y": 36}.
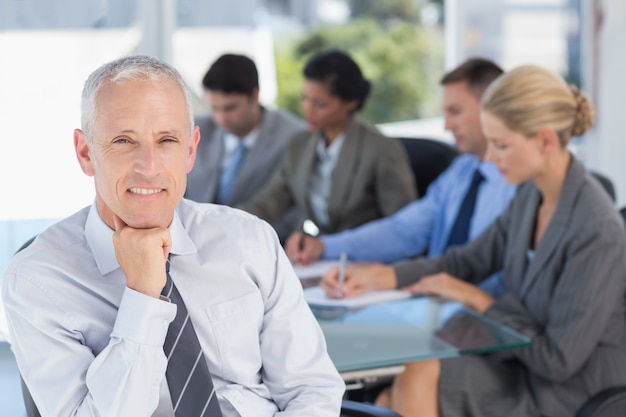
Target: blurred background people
{"x": 427, "y": 224}
{"x": 561, "y": 244}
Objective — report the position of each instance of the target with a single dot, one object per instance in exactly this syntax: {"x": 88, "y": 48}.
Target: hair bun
{"x": 585, "y": 116}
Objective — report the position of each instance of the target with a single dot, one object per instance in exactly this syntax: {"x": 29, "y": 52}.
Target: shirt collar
{"x": 489, "y": 170}
{"x": 231, "y": 141}
{"x": 331, "y": 151}
{"x": 100, "y": 239}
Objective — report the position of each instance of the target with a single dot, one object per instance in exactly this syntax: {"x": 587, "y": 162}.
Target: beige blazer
{"x": 372, "y": 179}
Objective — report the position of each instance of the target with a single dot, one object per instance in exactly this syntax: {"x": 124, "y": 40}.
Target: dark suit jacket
{"x": 569, "y": 299}
{"x": 372, "y": 179}
{"x": 277, "y": 128}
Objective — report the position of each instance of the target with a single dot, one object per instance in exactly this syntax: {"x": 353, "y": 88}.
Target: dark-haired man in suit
{"x": 242, "y": 141}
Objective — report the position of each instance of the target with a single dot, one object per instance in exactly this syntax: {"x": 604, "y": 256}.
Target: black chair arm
{"x": 606, "y": 403}
{"x": 355, "y": 409}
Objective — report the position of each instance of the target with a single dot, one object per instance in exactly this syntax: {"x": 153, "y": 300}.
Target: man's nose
{"x": 147, "y": 160}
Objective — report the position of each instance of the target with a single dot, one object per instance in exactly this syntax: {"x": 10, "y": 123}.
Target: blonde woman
{"x": 561, "y": 244}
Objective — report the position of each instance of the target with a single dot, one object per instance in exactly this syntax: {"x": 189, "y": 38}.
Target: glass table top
{"x": 420, "y": 328}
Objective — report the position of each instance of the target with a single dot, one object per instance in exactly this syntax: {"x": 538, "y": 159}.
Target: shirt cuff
{"x": 143, "y": 319}
{"x": 332, "y": 247}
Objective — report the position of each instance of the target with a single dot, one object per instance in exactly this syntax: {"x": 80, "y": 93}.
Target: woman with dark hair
{"x": 343, "y": 172}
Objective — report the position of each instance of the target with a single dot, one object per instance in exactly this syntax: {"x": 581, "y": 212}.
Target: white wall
{"x": 605, "y": 147}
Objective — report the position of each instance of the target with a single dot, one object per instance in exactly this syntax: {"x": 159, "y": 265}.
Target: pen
{"x": 342, "y": 273}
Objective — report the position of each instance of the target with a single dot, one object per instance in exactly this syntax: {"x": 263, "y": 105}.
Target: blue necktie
{"x": 187, "y": 373}
{"x": 460, "y": 230}
{"x": 229, "y": 174}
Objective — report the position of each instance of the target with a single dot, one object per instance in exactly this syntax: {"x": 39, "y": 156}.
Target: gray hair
{"x": 137, "y": 67}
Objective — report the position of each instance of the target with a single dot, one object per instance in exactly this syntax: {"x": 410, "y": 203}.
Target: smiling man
{"x": 107, "y": 307}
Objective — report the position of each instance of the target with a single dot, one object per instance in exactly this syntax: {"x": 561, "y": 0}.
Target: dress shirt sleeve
{"x": 592, "y": 278}
{"x": 472, "y": 262}
{"x": 404, "y": 234}
{"x": 395, "y": 182}
{"x": 296, "y": 367}
{"x": 65, "y": 377}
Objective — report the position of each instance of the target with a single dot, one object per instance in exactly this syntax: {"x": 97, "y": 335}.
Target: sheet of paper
{"x": 316, "y": 297}
{"x": 314, "y": 270}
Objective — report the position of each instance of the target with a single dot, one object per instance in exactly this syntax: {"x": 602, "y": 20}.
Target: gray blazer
{"x": 569, "y": 299}
{"x": 277, "y": 128}
{"x": 372, "y": 179}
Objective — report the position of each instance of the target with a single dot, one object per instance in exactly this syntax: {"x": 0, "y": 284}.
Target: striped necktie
{"x": 187, "y": 373}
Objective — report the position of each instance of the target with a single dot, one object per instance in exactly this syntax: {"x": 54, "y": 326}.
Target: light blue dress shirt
{"x": 87, "y": 345}
{"x": 426, "y": 223}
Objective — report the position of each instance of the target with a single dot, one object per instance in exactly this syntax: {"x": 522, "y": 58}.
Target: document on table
{"x": 316, "y": 297}
{"x": 314, "y": 270}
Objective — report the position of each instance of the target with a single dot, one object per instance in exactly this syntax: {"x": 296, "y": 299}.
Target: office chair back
{"x": 355, "y": 409}
{"x": 610, "y": 402}
{"x": 606, "y": 183}
{"x": 428, "y": 159}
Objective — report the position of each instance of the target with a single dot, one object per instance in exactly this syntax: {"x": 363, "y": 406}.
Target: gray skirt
{"x": 482, "y": 386}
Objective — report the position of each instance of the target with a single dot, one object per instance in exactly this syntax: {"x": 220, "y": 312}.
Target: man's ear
{"x": 352, "y": 105}
{"x": 193, "y": 147}
{"x": 254, "y": 96}
{"x": 83, "y": 153}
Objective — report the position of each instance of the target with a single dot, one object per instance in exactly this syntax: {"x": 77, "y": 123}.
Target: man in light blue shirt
{"x": 93, "y": 303}
{"x": 426, "y": 223}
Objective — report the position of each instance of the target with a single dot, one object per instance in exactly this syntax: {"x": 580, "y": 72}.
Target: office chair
{"x": 610, "y": 402}
{"x": 606, "y": 183}
{"x": 29, "y": 403}
{"x": 356, "y": 409}
{"x": 428, "y": 159}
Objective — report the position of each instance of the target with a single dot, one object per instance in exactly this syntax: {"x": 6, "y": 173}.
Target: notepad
{"x": 314, "y": 270}
{"x": 316, "y": 297}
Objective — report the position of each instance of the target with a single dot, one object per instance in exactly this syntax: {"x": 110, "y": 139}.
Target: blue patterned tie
{"x": 460, "y": 230}
{"x": 187, "y": 373}
{"x": 229, "y": 174}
